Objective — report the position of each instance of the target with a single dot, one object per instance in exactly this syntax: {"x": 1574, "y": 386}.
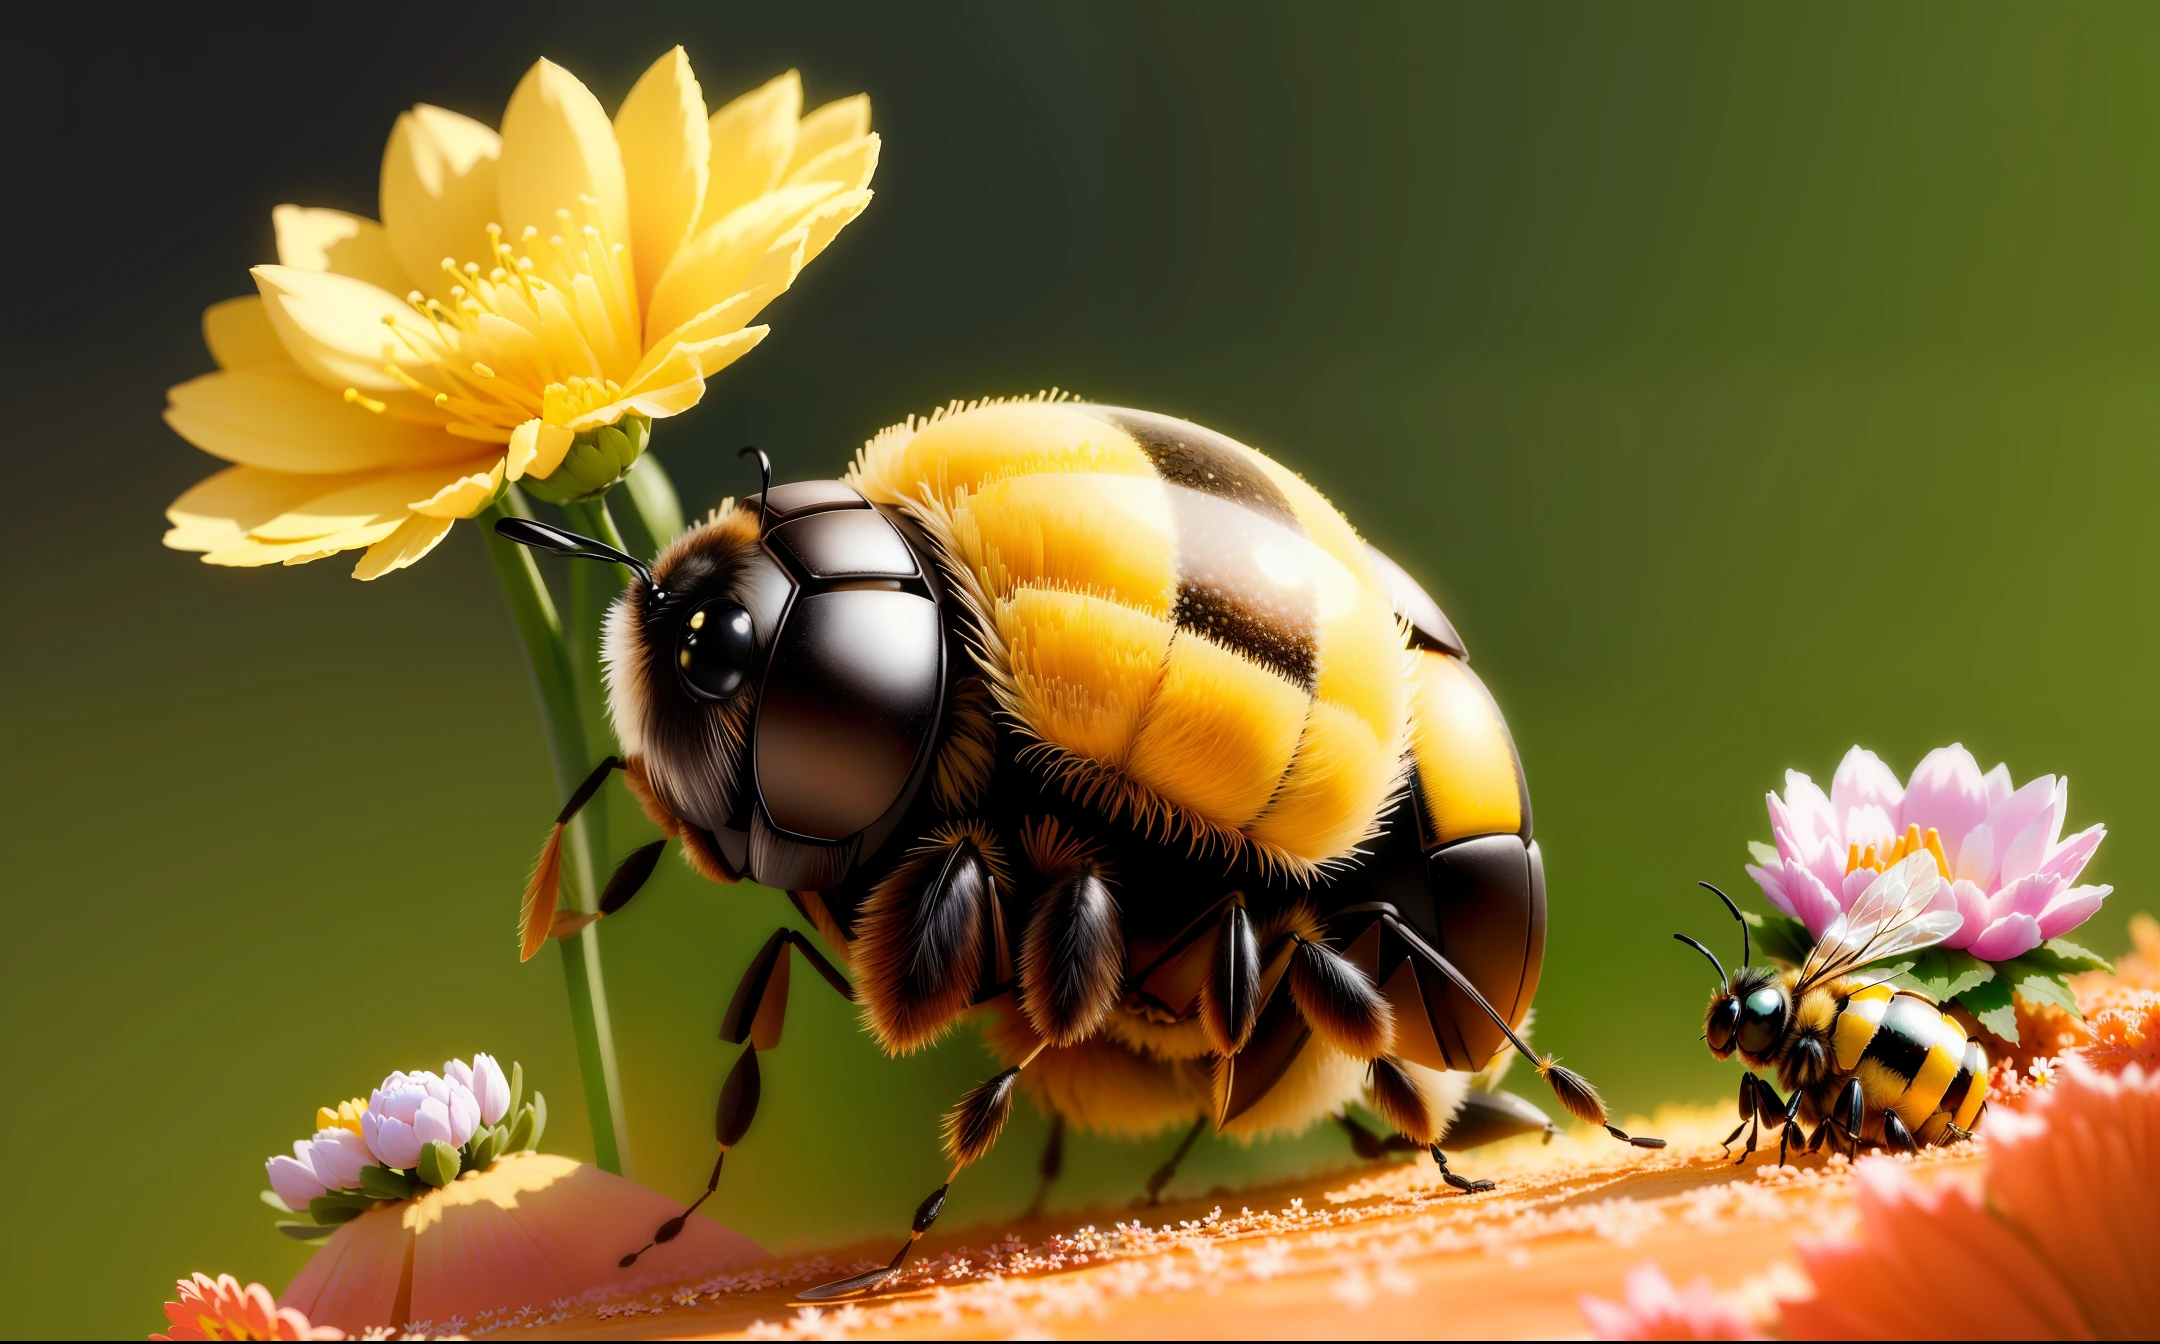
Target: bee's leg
{"x": 1851, "y": 1114}
{"x": 971, "y": 1130}
{"x": 1163, "y": 1174}
{"x": 1462, "y": 1183}
{"x": 1372, "y": 1147}
{"x": 1747, "y": 1109}
{"x": 1788, "y": 1121}
{"x": 1896, "y": 1135}
{"x": 1050, "y": 1168}
{"x": 756, "y": 1014}
{"x": 1815, "y": 1140}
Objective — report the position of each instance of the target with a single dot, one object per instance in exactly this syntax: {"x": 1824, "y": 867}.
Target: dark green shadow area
{"x": 1745, "y": 384}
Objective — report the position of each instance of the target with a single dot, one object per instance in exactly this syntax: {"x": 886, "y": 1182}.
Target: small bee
{"x": 1105, "y": 728}
{"x": 1863, "y": 1062}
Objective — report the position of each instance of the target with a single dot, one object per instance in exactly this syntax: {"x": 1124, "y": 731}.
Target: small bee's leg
{"x": 1370, "y": 1146}
{"x": 1163, "y": 1174}
{"x": 1896, "y": 1135}
{"x": 1815, "y": 1140}
{"x": 1851, "y": 1114}
{"x": 1462, "y": 1183}
{"x": 756, "y": 1014}
{"x": 1788, "y": 1121}
{"x": 1747, "y": 1109}
{"x": 1050, "y": 1168}
{"x": 971, "y": 1130}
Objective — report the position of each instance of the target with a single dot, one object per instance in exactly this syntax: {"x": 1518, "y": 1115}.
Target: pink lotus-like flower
{"x": 1656, "y": 1310}
{"x": 411, "y": 1109}
{"x": 220, "y": 1308}
{"x": 2008, "y": 869}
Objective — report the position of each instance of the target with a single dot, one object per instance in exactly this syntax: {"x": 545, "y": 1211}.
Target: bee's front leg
{"x": 1747, "y": 1109}
{"x": 1851, "y": 1113}
{"x": 1786, "y": 1122}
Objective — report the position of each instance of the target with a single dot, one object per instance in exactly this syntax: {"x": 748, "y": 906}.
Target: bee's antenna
{"x": 1747, "y": 954}
{"x": 764, "y": 463}
{"x": 1722, "y": 978}
{"x": 547, "y": 537}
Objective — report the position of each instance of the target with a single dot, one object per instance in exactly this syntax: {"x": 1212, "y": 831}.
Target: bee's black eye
{"x": 1762, "y": 1020}
{"x": 1724, "y": 1021}
{"x": 714, "y": 656}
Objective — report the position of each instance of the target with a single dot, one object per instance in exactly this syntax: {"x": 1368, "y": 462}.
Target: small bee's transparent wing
{"x": 1890, "y": 919}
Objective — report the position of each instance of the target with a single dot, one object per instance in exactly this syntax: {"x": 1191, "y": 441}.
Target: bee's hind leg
{"x": 1049, "y": 1168}
{"x": 1167, "y": 1172}
{"x": 1462, "y": 1183}
{"x": 1786, "y": 1122}
{"x": 1896, "y": 1135}
{"x": 1851, "y": 1115}
{"x": 1370, "y": 1146}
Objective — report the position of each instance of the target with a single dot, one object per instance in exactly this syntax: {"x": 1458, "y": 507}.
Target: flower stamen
{"x": 1910, "y": 843}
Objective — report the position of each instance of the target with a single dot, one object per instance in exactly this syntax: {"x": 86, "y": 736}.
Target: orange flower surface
{"x": 2059, "y": 1238}
{"x": 221, "y": 1309}
{"x": 1656, "y": 1310}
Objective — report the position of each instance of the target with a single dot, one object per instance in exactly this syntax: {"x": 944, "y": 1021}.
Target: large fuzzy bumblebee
{"x": 1864, "y": 1063}
{"x": 1110, "y": 728}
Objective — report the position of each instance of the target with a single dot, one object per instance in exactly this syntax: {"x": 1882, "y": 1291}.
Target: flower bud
{"x": 294, "y": 1179}
{"x": 596, "y": 461}
{"x": 438, "y": 1163}
{"x": 390, "y": 1139}
{"x": 491, "y": 1088}
{"x": 337, "y": 1155}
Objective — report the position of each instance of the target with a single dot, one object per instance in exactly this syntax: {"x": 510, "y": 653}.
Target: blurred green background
{"x": 1746, "y": 383}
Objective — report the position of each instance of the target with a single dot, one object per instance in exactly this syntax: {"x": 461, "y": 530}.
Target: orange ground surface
{"x": 1376, "y": 1252}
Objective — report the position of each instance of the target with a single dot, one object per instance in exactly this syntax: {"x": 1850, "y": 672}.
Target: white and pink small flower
{"x": 2000, "y": 848}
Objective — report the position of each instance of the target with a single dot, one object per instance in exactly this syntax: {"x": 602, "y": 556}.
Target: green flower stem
{"x": 555, "y": 682}
{"x": 655, "y": 508}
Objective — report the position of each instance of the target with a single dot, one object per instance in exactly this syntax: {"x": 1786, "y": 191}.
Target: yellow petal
{"x": 415, "y": 537}
{"x": 713, "y": 265}
{"x": 467, "y": 495}
{"x": 673, "y": 386}
{"x": 342, "y": 244}
{"x": 217, "y": 511}
{"x": 537, "y": 447}
{"x": 716, "y": 354}
{"x": 850, "y": 163}
{"x": 666, "y": 150}
{"x": 240, "y": 336}
{"x": 249, "y": 553}
{"x": 837, "y": 122}
{"x": 344, "y": 332}
{"x": 722, "y": 319}
{"x": 438, "y": 193}
{"x": 558, "y": 148}
{"x": 752, "y": 140}
{"x": 280, "y": 418}
{"x": 381, "y": 497}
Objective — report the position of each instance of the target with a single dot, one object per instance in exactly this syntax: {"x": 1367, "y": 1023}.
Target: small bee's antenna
{"x": 547, "y": 537}
{"x": 1747, "y": 954}
{"x": 764, "y": 499}
{"x": 1722, "y": 978}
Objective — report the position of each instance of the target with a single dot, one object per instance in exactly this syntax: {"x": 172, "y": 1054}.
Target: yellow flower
{"x": 530, "y": 302}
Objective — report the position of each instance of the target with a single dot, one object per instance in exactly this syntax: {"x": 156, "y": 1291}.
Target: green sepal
{"x": 1780, "y": 937}
{"x": 1991, "y": 1003}
{"x": 306, "y": 1231}
{"x": 383, "y": 1183}
{"x": 517, "y": 1088}
{"x": 439, "y": 1163}
{"x": 270, "y": 1197}
{"x": 521, "y": 1131}
{"x": 596, "y": 461}
{"x": 329, "y": 1210}
{"x": 486, "y": 1145}
{"x": 1944, "y": 973}
{"x": 1766, "y": 855}
{"x": 539, "y": 1120}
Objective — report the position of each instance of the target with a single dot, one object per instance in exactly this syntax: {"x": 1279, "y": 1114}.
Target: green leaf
{"x": 306, "y": 1231}
{"x": 438, "y": 1164}
{"x": 1990, "y": 1001}
{"x": 383, "y": 1183}
{"x": 329, "y": 1210}
{"x": 517, "y": 1088}
{"x": 2035, "y": 983}
{"x": 270, "y": 1197}
{"x": 1779, "y": 937}
{"x": 1766, "y": 855}
{"x": 521, "y": 1131}
{"x": 2065, "y": 958}
{"x": 480, "y": 1154}
{"x": 1943, "y": 973}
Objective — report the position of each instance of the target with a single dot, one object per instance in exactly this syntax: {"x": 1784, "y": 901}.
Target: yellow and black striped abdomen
{"x": 1197, "y": 636}
{"x": 1911, "y": 1058}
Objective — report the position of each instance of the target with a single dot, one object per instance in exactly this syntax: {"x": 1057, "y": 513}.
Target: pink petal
{"x": 1862, "y": 780}
{"x": 2071, "y": 909}
{"x": 1813, "y": 903}
{"x": 2033, "y": 844}
{"x": 1772, "y": 882}
{"x": 1868, "y": 825}
{"x": 2009, "y": 818}
{"x": 2028, "y": 895}
{"x": 2071, "y": 856}
{"x": 1854, "y": 885}
{"x": 2010, "y": 936}
{"x": 1972, "y": 904}
{"x": 1998, "y": 784}
{"x": 1813, "y": 818}
{"x": 1976, "y": 857}
{"x": 1947, "y": 793}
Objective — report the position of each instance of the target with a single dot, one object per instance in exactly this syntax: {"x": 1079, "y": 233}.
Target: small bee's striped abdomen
{"x": 1857, "y": 1024}
{"x": 1912, "y": 1059}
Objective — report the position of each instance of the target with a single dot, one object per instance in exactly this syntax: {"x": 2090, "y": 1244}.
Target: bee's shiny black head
{"x": 1722, "y": 1024}
{"x": 1764, "y": 1007}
